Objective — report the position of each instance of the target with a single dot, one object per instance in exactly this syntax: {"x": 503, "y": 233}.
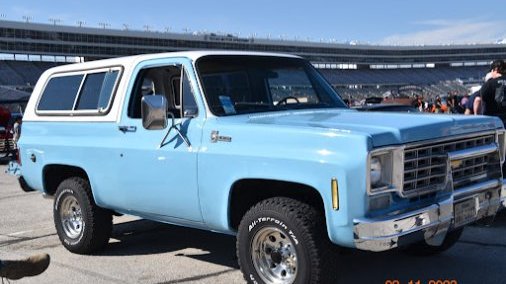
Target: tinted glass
{"x": 189, "y": 104}
{"x": 60, "y": 93}
{"x": 249, "y": 84}
{"x": 96, "y": 91}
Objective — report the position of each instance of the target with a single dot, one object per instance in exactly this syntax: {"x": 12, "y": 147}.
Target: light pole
{"x": 54, "y": 21}
{"x": 81, "y": 23}
{"x": 104, "y": 25}
{"x": 27, "y": 18}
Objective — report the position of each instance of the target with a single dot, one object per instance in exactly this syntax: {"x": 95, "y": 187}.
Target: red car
{"x": 7, "y": 145}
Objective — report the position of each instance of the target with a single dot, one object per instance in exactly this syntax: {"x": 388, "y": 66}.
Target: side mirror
{"x": 154, "y": 112}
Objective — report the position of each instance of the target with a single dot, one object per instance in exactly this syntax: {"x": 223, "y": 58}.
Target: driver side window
{"x": 165, "y": 81}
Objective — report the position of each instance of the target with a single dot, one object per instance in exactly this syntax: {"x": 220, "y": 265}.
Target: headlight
{"x": 375, "y": 171}
{"x": 386, "y": 170}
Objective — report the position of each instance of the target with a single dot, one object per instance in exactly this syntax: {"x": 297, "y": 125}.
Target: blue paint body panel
{"x": 130, "y": 173}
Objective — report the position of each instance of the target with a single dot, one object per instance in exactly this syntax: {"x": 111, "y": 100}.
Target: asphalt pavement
{"x": 142, "y": 251}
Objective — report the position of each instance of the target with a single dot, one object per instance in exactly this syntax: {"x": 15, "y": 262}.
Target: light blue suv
{"x": 257, "y": 145}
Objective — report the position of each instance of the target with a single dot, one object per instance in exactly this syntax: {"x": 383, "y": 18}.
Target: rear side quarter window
{"x": 89, "y": 92}
{"x": 60, "y": 93}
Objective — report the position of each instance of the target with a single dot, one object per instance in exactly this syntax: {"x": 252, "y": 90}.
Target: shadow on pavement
{"x": 463, "y": 263}
{"x": 143, "y": 237}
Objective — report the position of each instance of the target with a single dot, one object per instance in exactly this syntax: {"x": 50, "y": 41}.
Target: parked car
{"x": 388, "y": 107}
{"x": 373, "y": 100}
{"x": 257, "y": 145}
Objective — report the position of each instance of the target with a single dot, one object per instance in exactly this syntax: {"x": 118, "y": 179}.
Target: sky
{"x": 380, "y": 22}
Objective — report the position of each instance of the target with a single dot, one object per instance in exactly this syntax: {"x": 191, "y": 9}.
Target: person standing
{"x": 473, "y": 105}
{"x": 16, "y": 130}
{"x": 438, "y": 105}
{"x": 488, "y": 91}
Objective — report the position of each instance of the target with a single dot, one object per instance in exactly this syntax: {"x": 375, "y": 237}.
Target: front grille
{"x": 476, "y": 169}
{"x": 426, "y": 166}
{"x": 424, "y": 171}
{"x": 7, "y": 144}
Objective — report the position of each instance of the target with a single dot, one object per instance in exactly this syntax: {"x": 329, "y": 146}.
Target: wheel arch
{"x": 245, "y": 193}
{"x": 54, "y": 174}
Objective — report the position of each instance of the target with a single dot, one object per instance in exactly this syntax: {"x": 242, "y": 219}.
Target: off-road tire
{"x": 421, "y": 248}
{"x": 95, "y": 223}
{"x": 302, "y": 225}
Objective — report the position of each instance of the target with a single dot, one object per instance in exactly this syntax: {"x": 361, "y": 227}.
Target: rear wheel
{"x": 82, "y": 226}
{"x": 281, "y": 240}
{"x": 421, "y": 248}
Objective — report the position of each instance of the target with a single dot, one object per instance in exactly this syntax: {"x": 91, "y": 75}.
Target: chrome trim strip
{"x": 500, "y": 137}
{"x": 78, "y": 92}
{"x": 84, "y": 72}
{"x": 503, "y": 193}
{"x": 475, "y": 188}
{"x": 456, "y": 184}
{"x": 451, "y": 138}
{"x": 475, "y": 151}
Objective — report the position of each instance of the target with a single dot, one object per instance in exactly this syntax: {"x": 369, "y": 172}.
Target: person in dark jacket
{"x": 489, "y": 88}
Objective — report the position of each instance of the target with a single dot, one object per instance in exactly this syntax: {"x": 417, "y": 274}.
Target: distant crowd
{"x": 487, "y": 99}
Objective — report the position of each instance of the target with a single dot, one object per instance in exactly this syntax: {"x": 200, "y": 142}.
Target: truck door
{"x": 154, "y": 180}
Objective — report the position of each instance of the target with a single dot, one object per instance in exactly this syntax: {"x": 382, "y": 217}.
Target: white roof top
{"x": 192, "y": 55}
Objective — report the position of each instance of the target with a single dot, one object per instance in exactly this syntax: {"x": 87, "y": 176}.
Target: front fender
{"x": 309, "y": 160}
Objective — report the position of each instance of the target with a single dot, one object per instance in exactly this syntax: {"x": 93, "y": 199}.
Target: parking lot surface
{"x": 141, "y": 251}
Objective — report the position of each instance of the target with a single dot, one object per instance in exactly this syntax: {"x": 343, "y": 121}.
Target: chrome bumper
{"x": 430, "y": 223}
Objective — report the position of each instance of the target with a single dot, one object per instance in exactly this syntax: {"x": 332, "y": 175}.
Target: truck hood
{"x": 384, "y": 128}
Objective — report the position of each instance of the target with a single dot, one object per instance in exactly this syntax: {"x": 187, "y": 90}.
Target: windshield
{"x": 249, "y": 84}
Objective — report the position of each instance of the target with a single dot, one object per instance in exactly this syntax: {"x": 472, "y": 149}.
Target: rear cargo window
{"x": 87, "y": 93}
{"x": 60, "y": 93}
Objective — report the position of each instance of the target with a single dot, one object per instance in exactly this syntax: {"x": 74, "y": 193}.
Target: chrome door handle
{"x": 125, "y": 128}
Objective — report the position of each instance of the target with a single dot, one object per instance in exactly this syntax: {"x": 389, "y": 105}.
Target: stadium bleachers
{"x": 22, "y": 73}
{"x": 27, "y": 72}
{"x": 8, "y": 76}
{"x": 415, "y": 76}
{"x": 364, "y": 82}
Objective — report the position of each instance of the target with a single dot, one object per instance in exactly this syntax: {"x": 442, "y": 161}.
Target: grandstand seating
{"x": 27, "y": 72}
{"x": 415, "y": 76}
{"x": 364, "y": 82}
{"x": 21, "y": 73}
{"x": 8, "y": 76}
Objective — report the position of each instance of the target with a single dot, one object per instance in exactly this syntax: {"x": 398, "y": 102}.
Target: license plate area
{"x": 465, "y": 212}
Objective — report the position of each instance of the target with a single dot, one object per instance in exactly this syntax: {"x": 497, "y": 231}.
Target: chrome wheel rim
{"x": 71, "y": 217}
{"x": 274, "y": 256}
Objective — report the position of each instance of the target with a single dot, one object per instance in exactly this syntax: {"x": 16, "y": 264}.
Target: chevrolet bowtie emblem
{"x": 456, "y": 164}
